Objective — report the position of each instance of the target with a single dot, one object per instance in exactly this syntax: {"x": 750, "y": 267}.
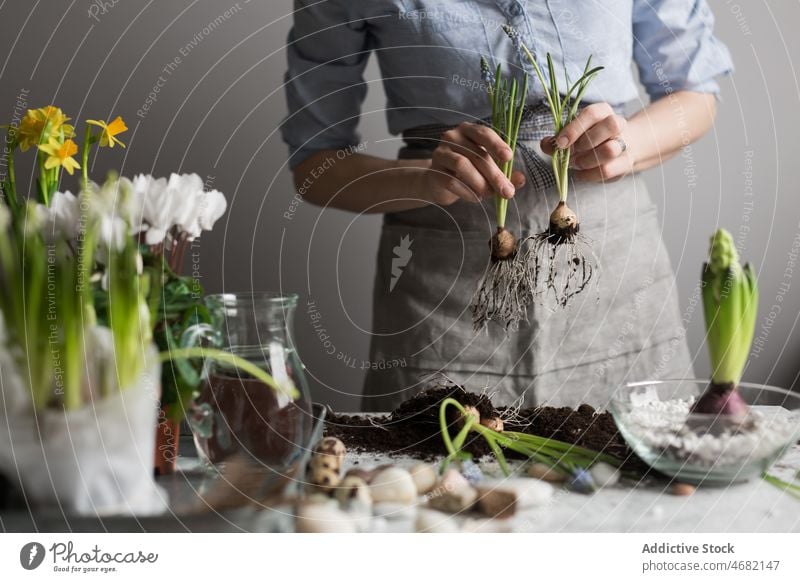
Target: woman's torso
{"x": 429, "y": 51}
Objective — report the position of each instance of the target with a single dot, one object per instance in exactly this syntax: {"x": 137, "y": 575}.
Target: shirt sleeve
{"x": 327, "y": 52}
{"x": 675, "y": 48}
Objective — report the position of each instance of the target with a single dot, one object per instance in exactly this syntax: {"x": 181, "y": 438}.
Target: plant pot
{"x": 656, "y": 420}
{"x": 168, "y": 434}
{"x": 95, "y": 460}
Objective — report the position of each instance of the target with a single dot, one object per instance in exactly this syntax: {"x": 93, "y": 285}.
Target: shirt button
{"x": 514, "y": 9}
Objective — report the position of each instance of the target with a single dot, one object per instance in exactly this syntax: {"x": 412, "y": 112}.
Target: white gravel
{"x": 662, "y": 426}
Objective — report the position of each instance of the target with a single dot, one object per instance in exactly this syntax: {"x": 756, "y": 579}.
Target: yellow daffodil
{"x": 110, "y": 131}
{"x": 60, "y": 154}
{"x": 41, "y": 125}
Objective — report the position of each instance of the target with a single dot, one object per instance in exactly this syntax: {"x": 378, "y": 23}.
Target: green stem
{"x": 791, "y": 489}
{"x": 561, "y": 446}
{"x": 11, "y": 193}
{"x": 42, "y": 180}
{"x": 498, "y": 453}
{"x": 501, "y": 209}
{"x": 85, "y": 157}
{"x": 560, "y": 455}
{"x": 231, "y": 359}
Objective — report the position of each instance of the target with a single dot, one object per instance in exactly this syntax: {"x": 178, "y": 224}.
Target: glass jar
{"x": 236, "y": 415}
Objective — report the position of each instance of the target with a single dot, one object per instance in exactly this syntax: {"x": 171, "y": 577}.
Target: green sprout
{"x": 730, "y": 306}
{"x": 564, "y": 458}
{"x": 502, "y": 292}
{"x": 559, "y": 260}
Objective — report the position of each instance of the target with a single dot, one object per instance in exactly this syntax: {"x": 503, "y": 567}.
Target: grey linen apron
{"x": 627, "y": 328}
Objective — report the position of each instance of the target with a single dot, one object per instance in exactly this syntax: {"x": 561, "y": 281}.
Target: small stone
{"x": 353, "y": 488}
{"x": 683, "y": 489}
{"x": 499, "y": 503}
{"x": 366, "y": 474}
{"x": 361, "y": 513}
{"x": 430, "y": 521}
{"x": 328, "y": 454}
{"x": 586, "y": 410}
{"x": 324, "y": 462}
{"x": 393, "y": 485}
{"x": 452, "y": 480}
{"x": 315, "y": 517}
{"x": 529, "y": 492}
{"x": 331, "y": 446}
{"x": 581, "y": 481}
{"x": 424, "y": 476}
{"x": 546, "y": 473}
{"x": 317, "y": 497}
{"x": 324, "y": 479}
{"x": 471, "y": 472}
{"x": 455, "y": 500}
{"x": 391, "y": 510}
{"x": 604, "y": 475}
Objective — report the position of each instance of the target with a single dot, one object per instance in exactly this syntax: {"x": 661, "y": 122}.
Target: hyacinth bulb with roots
{"x": 503, "y": 293}
{"x": 560, "y": 259}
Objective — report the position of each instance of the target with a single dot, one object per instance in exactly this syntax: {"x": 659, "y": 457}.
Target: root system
{"x": 560, "y": 265}
{"x": 503, "y": 293}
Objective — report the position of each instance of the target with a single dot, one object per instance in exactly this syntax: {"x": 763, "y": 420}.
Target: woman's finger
{"x": 604, "y": 130}
{"x": 447, "y": 186}
{"x": 602, "y": 154}
{"x": 488, "y": 139}
{"x": 609, "y": 172}
{"x": 463, "y": 171}
{"x": 462, "y": 144}
{"x": 588, "y": 117}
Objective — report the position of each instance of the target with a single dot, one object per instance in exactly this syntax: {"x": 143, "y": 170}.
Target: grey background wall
{"x": 208, "y": 98}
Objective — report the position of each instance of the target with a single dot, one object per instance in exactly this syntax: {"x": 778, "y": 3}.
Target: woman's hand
{"x": 463, "y": 166}
{"x": 599, "y": 148}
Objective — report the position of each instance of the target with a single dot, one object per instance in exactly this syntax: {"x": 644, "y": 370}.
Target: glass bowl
{"x": 654, "y": 418}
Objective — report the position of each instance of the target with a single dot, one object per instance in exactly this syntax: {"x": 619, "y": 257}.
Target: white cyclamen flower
{"x": 178, "y": 202}
{"x": 201, "y": 209}
{"x": 212, "y": 208}
{"x": 157, "y": 209}
{"x": 189, "y": 189}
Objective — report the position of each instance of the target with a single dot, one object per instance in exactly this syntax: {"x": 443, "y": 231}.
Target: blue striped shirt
{"x": 429, "y": 55}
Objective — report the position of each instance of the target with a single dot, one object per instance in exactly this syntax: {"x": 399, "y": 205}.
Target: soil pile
{"x": 413, "y": 428}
